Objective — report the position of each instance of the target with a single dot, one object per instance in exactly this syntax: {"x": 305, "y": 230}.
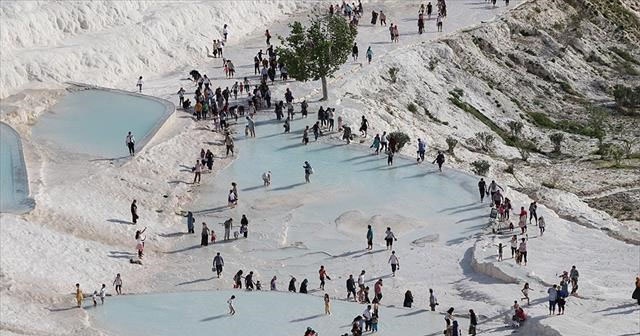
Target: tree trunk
{"x": 325, "y": 93}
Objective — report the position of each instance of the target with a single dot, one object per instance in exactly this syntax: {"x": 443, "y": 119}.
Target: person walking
{"x": 523, "y": 250}
{"x": 525, "y": 292}
{"x": 130, "y": 141}
{"x": 308, "y": 170}
{"x": 268, "y": 36}
{"x": 482, "y": 188}
{"x": 377, "y": 289}
{"x": 218, "y": 262}
{"x": 361, "y": 279}
{"x": 408, "y": 299}
{"x": 541, "y": 225}
{"x": 351, "y": 287}
{"x": 117, "y": 282}
{"x": 473, "y": 322}
{"x": 139, "y": 84}
{"x": 395, "y": 263}
{"x": 369, "y": 238}
{"x": 322, "y": 274}
{"x": 205, "y": 235}
{"x": 433, "y": 301}
{"x": 134, "y": 212}
{"x": 273, "y": 283}
{"x": 533, "y": 207}
{"x": 439, "y": 160}
{"x": 197, "y": 172}
{"x": 354, "y": 51}
{"x": 422, "y": 147}
{"x": 190, "y": 222}
{"x": 389, "y": 237}
{"x": 327, "y": 304}
{"x": 232, "y": 310}
{"x": 369, "y": 54}
{"x": 573, "y": 275}
{"x": 244, "y": 225}
{"x": 636, "y": 292}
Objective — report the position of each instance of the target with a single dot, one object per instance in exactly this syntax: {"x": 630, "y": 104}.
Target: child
{"x": 525, "y": 292}
{"x": 374, "y": 322}
{"x": 213, "y": 237}
{"x": 500, "y": 252}
{"x": 390, "y": 158}
{"x": 327, "y": 305}
{"x": 258, "y": 285}
{"x": 510, "y": 226}
{"x": 232, "y": 311}
{"x": 246, "y": 130}
{"x": 103, "y": 293}
{"x": 94, "y": 297}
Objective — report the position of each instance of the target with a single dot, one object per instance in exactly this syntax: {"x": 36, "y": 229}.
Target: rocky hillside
{"x": 548, "y": 95}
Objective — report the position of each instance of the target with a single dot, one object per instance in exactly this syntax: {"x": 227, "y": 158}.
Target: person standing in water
{"x": 130, "y": 141}
{"x": 232, "y": 310}
{"x": 79, "y": 295}
{"x": 308, "y": 170}
{"x": 266, "y": 178}
{"x": 118, "y": 284}
{"x": 103, "y": 293}
{"x": 252, "y": 126}
{"x": 134, "y": 212}
{"x": 354, "y": 51}
{"x": 327, "y": 305}
{"x": 139, "y": 84}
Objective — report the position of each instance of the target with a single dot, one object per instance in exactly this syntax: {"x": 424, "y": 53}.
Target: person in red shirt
{"x": 323, "y": 274}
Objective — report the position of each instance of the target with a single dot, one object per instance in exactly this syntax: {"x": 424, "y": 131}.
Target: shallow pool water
{"x": 14, "y": 187}
{"x": 257, "y": 313}
{"x": 96, "y": 122}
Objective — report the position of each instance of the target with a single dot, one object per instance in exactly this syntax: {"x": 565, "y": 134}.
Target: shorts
{"x": 370, "y": 242}
{"x": 394, "y": 267}
{"x": 389, "y": 242}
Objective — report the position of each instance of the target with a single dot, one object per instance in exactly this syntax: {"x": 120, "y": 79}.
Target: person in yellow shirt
{"x": 79, "y": 295}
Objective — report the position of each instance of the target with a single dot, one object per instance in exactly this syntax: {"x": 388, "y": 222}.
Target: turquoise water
{"x": 257, "y": 313}
{"x": 14, "y": 188}
{"x": 96, "y": 122}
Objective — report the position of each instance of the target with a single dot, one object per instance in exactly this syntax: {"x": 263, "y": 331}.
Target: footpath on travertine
{"x": 546, "y": 253}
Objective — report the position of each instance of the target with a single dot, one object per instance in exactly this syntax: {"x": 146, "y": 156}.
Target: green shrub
{"x": 515, "y": 127}
{"x": 480, "y": 167}
{"x": 451, "y": 143}
{"x": 616, "y": 152}
{"x": 401, "y": 139}
{"x": 485, "y": 140}
{"x": 541, "y": 120}
{"x": 393, "y": 74}
{"x": 557, "y": 139}
{"x": 626, "y": 145}
{"x": 626, "y": 96}
{"x": 412, "y": 108}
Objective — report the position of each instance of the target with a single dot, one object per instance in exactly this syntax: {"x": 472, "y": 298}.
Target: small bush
{"x": 459, "y": 92}
{"x": 509, "y": 169}
{"x": 626, "y": 145}
{"x": 624, "y": 55}
{"x": 626, "y": 96}
{"x": 597, "y": 120}
{"x": 557, "y": 139}
{"x": 524, "y": 153}
{"x": 433, "y": 63}
{"x": 480, "y": 167}
{"x": 542, "y": 120}
{"x": 616, "y": 153}
{"x": 451, "y": 143}
{"x": 393, "y": 74}
{"x": 515, "y": 127}
{"x": 412, "y": 108}
{"x": 485, "y": 140}
{"x": 401, "y": 139}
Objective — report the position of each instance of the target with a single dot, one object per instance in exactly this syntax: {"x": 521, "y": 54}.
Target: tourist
{"x": 292, "y": 285}
{"x": 232, "y": 311}
{"x": 103, "y": 293}
{"x": 383, "y": 19}
{"x": 525, "y": 291}
{"x": 429, "y": 10}
{"x": 395, "y": 263}
{"x": 218, "y": 262}
{"x": 361, "y": 279}
{"x": 364, "y": 125}
{"x": 439, "y": 23}
{"x": 553, "y": 297}
{"x": 252, "y": 126}
{"x": 140, "y": 242}
{"x": 522, "y": 220}
{"x": 228, "y": 224}
{"x": 225, "y": 32}
{"x": 327, "y": 305}
{"x": 439, "y": 160}
{"x": 181, "y": 96}
{"x": 305, "y": 135}
{"x": 205, "y": 235}
{"x": 228, "y": 141}
{"x": 139, "y": 84}
{"x": 377, "y": 288}
{"x": 573, "y": 275}
{"x": 354, "y": 51}
{"x": 514, "y": 245}
{"x": 287, "y": 125}
{"x": 369, "y": 54}
{"x": 448, "y": 317}
{"x": 523, "y": 250}
{"x": 209, "y": 158}
{"x": 408, "y": 299}
{"x": 273, "y": 283}
{"x": 117, "y": 282}
{"x": 237, "y": 280}
{"x": 130, "y": 141}
{"x": 351, "y": 287}
{"x": 384, "y": 140}
{"x": 197, "y": 170}
{"x": 499, "y": 251}
{"x": 473, "y": 322}
{"x": 541, "y": 225}
{"x": 244, "y": 223}
{"x": 322, "y": 273}
{"x": 376, "y": 143}
{"x": 79, "y": 295}
{"x": 134, "y": 212}
{"x": 248, "y": 281}
{"x": 422, "y": 147}
{"x": 533, "y": 207}
{"x": 232, "y": 201}
{"x": 433, "y": 301}
{"x": 390, "y": 155}
{"x": 493, "y": 188}
{"x": 389, "y": 237}
{"x": 308, "y": 170}
{"x": 369, "y": 238}
{"x": 266, "y": 178}
{"x": 94, "y": 297}
{"x": 303, "y": 286}
{"x": 366, "y": 314}
{"x": 482, "y": 188}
